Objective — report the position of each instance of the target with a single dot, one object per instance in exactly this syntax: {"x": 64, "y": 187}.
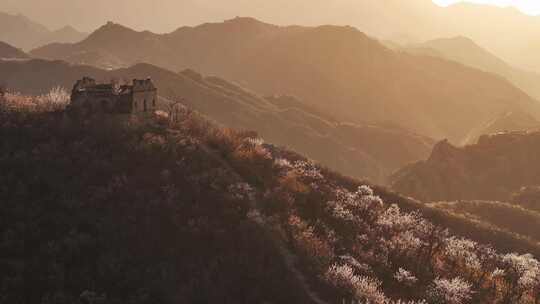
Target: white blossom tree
{"x": 405, "y": 277}
{"x": 455, "y": 291}
{"x": 363, "y": 289}
{"x": 523, "y": 275}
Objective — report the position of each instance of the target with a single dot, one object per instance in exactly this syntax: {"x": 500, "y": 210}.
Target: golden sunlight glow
{"x": 531, "y": 7}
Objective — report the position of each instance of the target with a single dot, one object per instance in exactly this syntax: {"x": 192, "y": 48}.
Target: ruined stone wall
{"x": 87, "y": 96}
{"x": 144, "y": 96}
{"x": 95, "y": 104}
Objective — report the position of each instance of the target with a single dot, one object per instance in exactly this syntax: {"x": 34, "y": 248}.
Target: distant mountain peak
{"x": 67, "y": 29}
{"x": 245, "y": 20}
{"x": 247, "y": 23}
{"x": 443, "y": 150}
{"x": 110, "y": 31}
{"x": 110, "y": 25}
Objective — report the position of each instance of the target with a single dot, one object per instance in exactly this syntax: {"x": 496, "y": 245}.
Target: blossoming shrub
{"x": 56, "y": 99}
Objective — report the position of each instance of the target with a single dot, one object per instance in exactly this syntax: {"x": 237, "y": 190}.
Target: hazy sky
{"x": 167, "y": 15}
{"x": 531, "y": 7}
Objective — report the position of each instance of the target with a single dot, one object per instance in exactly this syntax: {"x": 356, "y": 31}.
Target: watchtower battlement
{"x": 91, "y": 97}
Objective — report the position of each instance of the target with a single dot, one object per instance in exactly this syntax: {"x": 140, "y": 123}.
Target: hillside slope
{"x": 467, "y": 52}
{"x": 106, "y": 213}
{"x": 528, "y": 198}
{"x": 507, "y": 122}
{"x": 338, "y": 70}
{"x": 9, "y": 52}
{"x": 493, "y": 169}
{"x": 361, "y": 150}
{"x": 506, "y": 216}
{"x": 119, "y": 209}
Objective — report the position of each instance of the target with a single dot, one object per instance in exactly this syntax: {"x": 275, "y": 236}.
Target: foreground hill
{"x": 26, "y": 34}
{"x": 9, "y": 52}
{"x": 467, "y": 52}
{"x": 338, "y": 70}
{"x": 114, "y": 209}
{"x": 493, "y": 169}
{"x": 361, "y": 150}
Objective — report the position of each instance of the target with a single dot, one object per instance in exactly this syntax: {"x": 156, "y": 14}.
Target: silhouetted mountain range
{"x": 361, "y": 150}
{"x": 507, "y": 32}
{"x": 26, "y": 34}
{"x": 338, "y": 70}
{"x": 493, "y": 169}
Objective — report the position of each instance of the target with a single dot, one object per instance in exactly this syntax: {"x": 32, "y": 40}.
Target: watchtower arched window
{"x": 154, "y": 102}
{"x": 145, "y": 106}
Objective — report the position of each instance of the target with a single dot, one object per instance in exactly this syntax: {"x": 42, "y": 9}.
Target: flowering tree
{"x": 403, "y": 233}
{"x": 405, "y": 277}
{"x": 57, "y": 98}
{"x": 455, "y": 291}
{"x": 308, "y": 170}
{"x": 309, "y": 243}
{"x": 523, "y": 277}
{"x": 461, "y": 255}
{"x": 282, "y": 163}
{"x": 242, "y": 191}
{"x": 363, "y": 289}
{"x": 361, "y": 205}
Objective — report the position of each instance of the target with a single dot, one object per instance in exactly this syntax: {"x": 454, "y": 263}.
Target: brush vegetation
{"x": 175, "y": 209}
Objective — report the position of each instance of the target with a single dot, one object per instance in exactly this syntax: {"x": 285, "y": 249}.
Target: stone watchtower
{"x": 143, "y": 96}
{"x": 90, "y": 97}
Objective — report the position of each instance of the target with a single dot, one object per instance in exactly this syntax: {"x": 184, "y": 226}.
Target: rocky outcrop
{"x": 493, "y": 169}
{"x": 444, "y": 151}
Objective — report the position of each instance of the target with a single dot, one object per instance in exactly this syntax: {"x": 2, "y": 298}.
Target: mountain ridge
{"x": 363, "y": 80}
{"x": 21, "y": 32}
{"x": 464, "y": 50}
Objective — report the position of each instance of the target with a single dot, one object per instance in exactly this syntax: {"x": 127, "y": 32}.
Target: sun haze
{"x": 531, "y": 7}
